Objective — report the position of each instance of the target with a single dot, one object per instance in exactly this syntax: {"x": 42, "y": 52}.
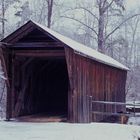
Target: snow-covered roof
{"x": 84, "y": 50}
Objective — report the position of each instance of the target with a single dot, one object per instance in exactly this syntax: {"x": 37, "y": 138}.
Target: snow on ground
{"x": 67, "y": 131}
{"x": 134, "y": 120}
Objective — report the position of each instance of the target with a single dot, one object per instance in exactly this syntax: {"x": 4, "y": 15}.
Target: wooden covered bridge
{"x": 50, "y": 73}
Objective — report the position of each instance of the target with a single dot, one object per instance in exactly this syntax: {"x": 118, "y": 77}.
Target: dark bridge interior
{"x": 43, "y": 87}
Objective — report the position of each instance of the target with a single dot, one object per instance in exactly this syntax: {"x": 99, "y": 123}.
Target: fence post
{"x": 134, "y": 109}
{"x": 90, "y": 108}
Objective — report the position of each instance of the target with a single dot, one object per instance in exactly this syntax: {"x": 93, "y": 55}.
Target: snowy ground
{"x": 134, "y": 120}
{"x": 66, "y": 131}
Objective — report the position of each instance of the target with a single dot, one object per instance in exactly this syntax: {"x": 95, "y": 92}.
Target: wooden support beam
{"x": 40, "y": 53}
{"x": 27, "y": 62}
{"x": 38, "y": 44}
{"x": 8, "y": 60}
{"x": 13, "y": 85}
{"x": 20, "y": 99}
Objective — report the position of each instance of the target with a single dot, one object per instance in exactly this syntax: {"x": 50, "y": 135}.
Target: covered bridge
{"x": 48, "y": 72}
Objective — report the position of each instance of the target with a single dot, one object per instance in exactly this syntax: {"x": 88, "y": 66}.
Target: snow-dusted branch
{"x": 116, "y": 28}
{"x": 109, "y": 5}
{"x": 72, "y": 18}
{"x": 88, "y": 12}
{"x": 85, "y": 9}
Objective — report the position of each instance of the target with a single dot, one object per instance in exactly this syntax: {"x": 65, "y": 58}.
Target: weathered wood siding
{"x": 89, "y": 78}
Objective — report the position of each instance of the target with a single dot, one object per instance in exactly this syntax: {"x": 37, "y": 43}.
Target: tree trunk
{"x": 101, "y": 40}
{"x": 3, "y": 18}
{"x": 50, "y": 8}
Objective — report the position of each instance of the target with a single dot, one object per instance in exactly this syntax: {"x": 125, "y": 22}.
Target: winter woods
{"x": 107, "y": 25}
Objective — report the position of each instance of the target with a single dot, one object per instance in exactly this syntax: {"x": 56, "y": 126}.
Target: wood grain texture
{"x": 89, "y": 78}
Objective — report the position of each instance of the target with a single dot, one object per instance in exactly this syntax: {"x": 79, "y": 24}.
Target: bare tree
{"x": 106, "y": 8}
{"x": 133, "y": 24}
{"x": 4, "y": 4}
{"x": 43, "y": 12}
{"x": 132, "y": 88}
{"x": 24, "y": 13}
{"x": 103, "y": 7}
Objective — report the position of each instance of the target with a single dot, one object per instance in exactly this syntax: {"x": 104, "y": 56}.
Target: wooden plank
{"x": 8, "y": 60}
{"x": 3, "y": 58}
{"x": 70, "y": 104}
{"x": 38, "y": 44}
{"x": 113, "y": 102}
{"x": 13, "y": 83}
{"x": 111, "y": 113}
{"x": 52, "y": 55}
{"x": 21, "y": 95}
{"x": 40, "y": 53}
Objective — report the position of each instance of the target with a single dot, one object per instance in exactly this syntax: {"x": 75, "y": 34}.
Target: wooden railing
{"x": 114, "y": 112}
{"x": 127, "y": 105}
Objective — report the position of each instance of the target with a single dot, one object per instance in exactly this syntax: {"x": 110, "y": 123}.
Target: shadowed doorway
{"x": 46, "y": 93}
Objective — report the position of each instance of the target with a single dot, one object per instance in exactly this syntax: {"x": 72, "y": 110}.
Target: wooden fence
{"x": 131, "y": 109}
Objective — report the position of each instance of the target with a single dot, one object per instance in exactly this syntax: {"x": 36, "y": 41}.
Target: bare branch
{"x": 93, "y": 37}
{"x": 105, "y": 8}
{"x": 104, "y": 3}
{"x": 88, "y": 12}
{"x": 83, "y": 8}
{"x": 80, "y": 23}
{"x": 120, "y": 25}
{"x": 47, "y": 0}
